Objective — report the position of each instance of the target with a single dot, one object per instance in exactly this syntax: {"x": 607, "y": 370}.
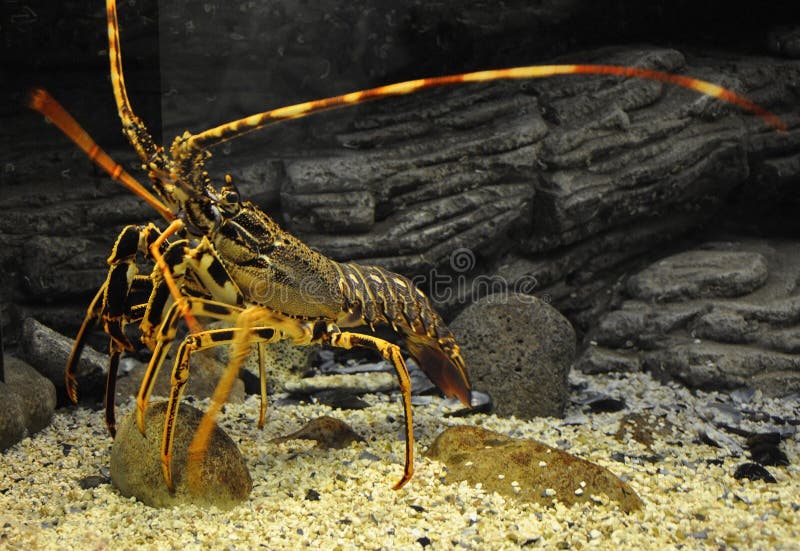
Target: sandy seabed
{"x": 691, "y": 499}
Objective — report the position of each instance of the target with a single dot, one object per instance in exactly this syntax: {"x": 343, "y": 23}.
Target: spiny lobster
{"x": 222, "y": 258}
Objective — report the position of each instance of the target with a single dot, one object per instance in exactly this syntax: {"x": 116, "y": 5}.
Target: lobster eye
{"x": 229, "y": 192}
{"x": 230, "y": 196}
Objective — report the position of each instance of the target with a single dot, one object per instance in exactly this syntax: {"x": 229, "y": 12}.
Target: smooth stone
{"x": 27, "y": 402}
{"x": 224, "y": 480}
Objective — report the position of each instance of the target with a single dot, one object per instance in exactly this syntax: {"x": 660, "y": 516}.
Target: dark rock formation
{"x": 719, "y": 317}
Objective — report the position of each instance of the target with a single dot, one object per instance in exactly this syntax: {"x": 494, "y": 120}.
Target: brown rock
{"x": 542, "y": 474}
{"x": 327, "y": 432}
{"x": 136, "y": 463}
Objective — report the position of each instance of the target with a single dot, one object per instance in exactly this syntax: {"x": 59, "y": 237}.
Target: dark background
{"x": 207, "y": 62}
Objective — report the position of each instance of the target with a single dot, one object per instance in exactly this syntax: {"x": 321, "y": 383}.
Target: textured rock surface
{"x": 527, "y": 470}
{"x": 519, "y": 350}
{"x": 720, "y": 317}
{"x": 328, "y": 432}
{"x": 136, "y": 463}
{"x": 12, "y": 418}
{"x": 28, "y": 401}
{"x": 36, "y": 393}
{"x": 48, "y": 351}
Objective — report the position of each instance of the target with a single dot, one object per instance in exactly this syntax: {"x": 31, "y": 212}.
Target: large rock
{"x": 519, "y": 350}
{"x": 28, "y": 401}
{"x": 527, "y": 470}
{"x": 718, "y": 317}
{"x": 136, "y": 463}
{"x": 48, "y": 351}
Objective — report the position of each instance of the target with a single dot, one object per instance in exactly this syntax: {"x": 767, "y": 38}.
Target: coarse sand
{"x": 342, "y": 499}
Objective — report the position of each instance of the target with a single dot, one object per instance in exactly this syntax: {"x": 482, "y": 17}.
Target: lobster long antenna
{"x": 239, "y": 127}
{"x": 45, "y": 104}
{"x": 133, "y": 127}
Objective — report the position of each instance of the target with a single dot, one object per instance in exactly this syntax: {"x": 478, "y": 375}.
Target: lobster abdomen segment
{"x": 374, "y": 295}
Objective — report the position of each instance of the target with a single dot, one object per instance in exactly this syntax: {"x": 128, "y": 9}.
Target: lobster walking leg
{"x": 167, "y": 332}
{"x": 111, "y": 305}
{"x": 180, "y": 374}
{"x": 257, "y": 324}
{"x": 390, "y": 352}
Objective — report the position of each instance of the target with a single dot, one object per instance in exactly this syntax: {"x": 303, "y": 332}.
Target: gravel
{"x": 691, "y": 498}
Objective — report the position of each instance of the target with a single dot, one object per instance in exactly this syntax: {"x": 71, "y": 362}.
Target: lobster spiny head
{"x": 190, "y": 191}
{"x": 206, "y": 213}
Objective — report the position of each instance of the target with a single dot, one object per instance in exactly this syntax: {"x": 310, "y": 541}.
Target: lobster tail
{"x": 442, "y": 362}
{"x": 374, "y": 295}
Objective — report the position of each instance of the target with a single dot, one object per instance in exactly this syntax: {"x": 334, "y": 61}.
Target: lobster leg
{"x": 168, "y": 330}
{"x": 180, "y": 374}
{"x": 111, "y": 305}
{"x": 111, "y": 385}
{"x": 170, "y": 276}
{"x": 89, "y": 322}
{"x": 390, "y": 352}
{"x": 258, "y": 324}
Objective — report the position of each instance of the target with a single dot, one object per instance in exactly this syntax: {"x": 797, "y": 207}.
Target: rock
{"x": 27, "y": 402}
{"x": 37, "y": 394}
{"x": 327, "y": 432}
{"x": 48, "y": 352}
{"x": 642, "y": 427}
{"x": 527, "y": 470}
{"x": 722, "y": 316}
{"x": 700, "y": 274}
{"x": 12, "y": 418}
{"x": 519, "y": 350}
{"x": 136, "y": 463}
{"x": 753, "y": 471}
